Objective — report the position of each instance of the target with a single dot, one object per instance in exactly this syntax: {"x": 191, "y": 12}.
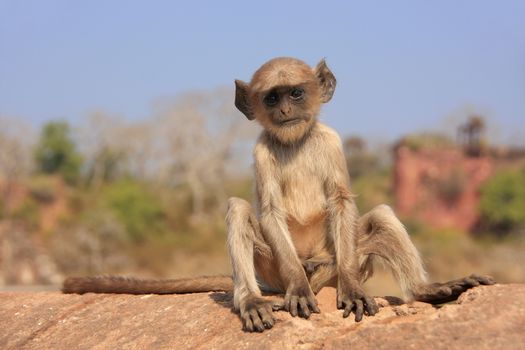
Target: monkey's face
{"x": 288, "y": 112}
{"x": 285, "y": 96}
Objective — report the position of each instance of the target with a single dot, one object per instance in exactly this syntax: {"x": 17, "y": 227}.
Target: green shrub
{"x": 137, "y": 208}
{"x": 56, "y": 152}
{"x": 502, "y": 204}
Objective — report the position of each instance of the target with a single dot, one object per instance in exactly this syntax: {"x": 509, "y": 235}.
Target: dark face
{"x": 288, "y": 112}
{"x": 286, "y": 105}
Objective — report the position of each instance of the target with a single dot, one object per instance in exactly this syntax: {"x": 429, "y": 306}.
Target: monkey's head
{"x": 285, "y": 96}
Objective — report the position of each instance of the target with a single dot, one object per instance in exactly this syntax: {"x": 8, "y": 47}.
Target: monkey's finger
{"x": 257, "y": 323}
{"x": 457, "y": 289}
{"x": 341, "y": 302}
{"x": 304, "y": 308}
{"x": 487, "y": 280}
{"x": 287, "y": 302}
{"x": 348, "y": 309}
{"x": 278, "y": 305}
{"x": 247, "y": 322}
{"x": 293, "y": 306}
{"x": 267, "y": 318}
{"x": 371, "y": 306}
{"x": 471, "y": 282}
{"x": 358, "y": 310}
{"x": 440, "y": 292}
{"x": 269, "y": 308}
{"x": 313, "y": 304}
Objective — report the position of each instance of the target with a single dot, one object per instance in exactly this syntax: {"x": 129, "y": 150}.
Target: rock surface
{"x": 487, "y": 317}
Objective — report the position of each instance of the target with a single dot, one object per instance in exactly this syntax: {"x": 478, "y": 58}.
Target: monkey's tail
{"x": 127, "y": 285}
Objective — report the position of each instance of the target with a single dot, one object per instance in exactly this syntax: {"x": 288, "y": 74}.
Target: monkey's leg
{"x": 245, "y": 245}
{"x": 380, "y": 233}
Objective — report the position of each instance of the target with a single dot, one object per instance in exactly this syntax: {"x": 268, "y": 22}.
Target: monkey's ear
{"x": 326, "y": 80}
{"x": 241, "y": 99}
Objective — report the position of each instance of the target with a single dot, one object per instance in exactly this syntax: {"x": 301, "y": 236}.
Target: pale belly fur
{"x": 305, "y": 207}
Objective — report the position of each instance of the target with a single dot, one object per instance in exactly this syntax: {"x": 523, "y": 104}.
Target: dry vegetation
{"x": 147, "y": 198}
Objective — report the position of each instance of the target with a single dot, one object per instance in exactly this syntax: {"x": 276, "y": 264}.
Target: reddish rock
{"x": 440, "y": 186}
{"x": 488, "y": 317}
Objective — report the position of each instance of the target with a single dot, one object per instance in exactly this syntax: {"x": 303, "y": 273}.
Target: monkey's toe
{"x": 371, "y": 306}
{"x": 257, "y": 315}
{"x": 278, "y": 304}
{"x": 483, "y": 279}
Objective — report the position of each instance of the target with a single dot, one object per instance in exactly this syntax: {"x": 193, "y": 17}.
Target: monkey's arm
{"x": 342, "y": 217}
{"x": 299, "y": 297}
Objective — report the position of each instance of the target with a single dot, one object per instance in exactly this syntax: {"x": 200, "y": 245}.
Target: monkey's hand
{"x": 300, "y": 300}
{"x": 351, "y": 297}
{"x": 439, "y": 293}
{"x": 257, "y": 314}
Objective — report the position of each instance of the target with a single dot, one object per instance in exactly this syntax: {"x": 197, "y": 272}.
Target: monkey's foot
{"x": 439, "y": 293}
{"x": 256, "y": 313}
{"x": 356, "y": 301}
{"x": 301, "y": 301}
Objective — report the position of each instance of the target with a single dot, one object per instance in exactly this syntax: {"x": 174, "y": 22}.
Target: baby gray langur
{"x": 304, "y": 231}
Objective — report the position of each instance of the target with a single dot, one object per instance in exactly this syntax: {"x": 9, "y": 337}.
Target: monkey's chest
{"x": 302, "y": 192}
{"x": 305, "y": 205}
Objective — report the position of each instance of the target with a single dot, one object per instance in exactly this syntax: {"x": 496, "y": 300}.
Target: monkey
{"x": 304, "y": 231}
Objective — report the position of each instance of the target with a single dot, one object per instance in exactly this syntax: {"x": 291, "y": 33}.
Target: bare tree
{"x": 201, "y": 131}
{"x": 99, "y": 143}
{"x": 194, "y": 139}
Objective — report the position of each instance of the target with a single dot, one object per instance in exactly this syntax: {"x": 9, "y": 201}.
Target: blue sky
{"x": 402, "y": 66}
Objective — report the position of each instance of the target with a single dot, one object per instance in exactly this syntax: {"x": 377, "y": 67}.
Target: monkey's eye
{"x": 296, "y": 93}
{"x": 271, "y": 99}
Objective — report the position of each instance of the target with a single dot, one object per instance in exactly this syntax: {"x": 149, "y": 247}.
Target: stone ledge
{"x": 484, "y": 317}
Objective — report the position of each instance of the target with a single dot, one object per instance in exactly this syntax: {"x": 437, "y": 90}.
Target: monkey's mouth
{"x": 288, "y": 122}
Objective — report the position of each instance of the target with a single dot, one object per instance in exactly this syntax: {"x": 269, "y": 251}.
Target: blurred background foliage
{"x": 142, "y": 190}
{"x": 148, "y": 197}
{"x": 56, "y": 152}
{"x": 502, "y": 204}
